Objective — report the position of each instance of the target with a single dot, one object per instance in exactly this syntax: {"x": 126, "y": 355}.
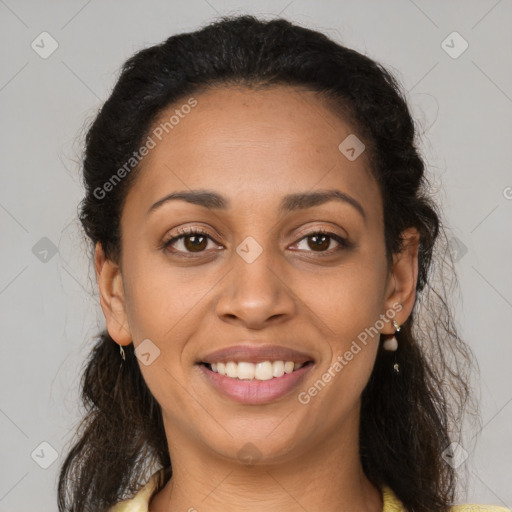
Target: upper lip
{"x": 256, "y": 354}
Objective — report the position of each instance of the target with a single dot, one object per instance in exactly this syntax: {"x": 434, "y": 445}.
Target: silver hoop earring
{"x": 121, "y": 351}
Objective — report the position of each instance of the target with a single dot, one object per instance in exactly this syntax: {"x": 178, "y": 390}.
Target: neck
{"x": 327, "y": 477}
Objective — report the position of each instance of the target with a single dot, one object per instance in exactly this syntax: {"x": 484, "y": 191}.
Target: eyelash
{"x": 189, "y": 232}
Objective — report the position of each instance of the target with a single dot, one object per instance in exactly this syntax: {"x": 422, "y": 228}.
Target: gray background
{"x": 463, "y": 107}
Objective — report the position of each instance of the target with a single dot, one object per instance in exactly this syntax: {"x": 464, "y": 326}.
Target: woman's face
{"x": 277, "y": 273}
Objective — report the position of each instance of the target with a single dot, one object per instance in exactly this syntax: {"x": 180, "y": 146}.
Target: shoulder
{"x": 140, "y": 502}
{"x": 478, "y": 508}
{"x": 393, "y": 504}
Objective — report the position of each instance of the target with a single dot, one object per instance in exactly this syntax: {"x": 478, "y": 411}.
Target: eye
{"x": 194, "y": 240}
{"x": 190, "y": 240}
{"x": 320, "y": 241}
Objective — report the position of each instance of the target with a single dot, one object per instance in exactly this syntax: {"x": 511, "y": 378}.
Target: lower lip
{"x": 255, "y": 392}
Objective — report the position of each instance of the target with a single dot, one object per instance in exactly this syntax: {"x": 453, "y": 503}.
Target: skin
{"x": 255, "y": 147}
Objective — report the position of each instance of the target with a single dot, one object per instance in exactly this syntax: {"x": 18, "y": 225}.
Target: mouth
{"x": 262, "y": 371}
{"x": 255, "y": 374}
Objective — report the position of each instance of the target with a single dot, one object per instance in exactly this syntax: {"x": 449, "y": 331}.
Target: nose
{"x": 256, "y": 294}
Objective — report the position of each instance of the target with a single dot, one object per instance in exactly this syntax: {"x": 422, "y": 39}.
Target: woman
{"x": 263, "y": 246}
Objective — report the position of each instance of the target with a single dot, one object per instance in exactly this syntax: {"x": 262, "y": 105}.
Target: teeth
{"x": 231, "y": 370}
{"x": 245, "y": 371}
{"x": 288, "y": 367}
{"x": 265, "y": 370}
{"x": 278, "y": 369}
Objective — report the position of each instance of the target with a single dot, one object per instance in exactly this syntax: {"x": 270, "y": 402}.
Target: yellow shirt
{"x": 140, "y": 502}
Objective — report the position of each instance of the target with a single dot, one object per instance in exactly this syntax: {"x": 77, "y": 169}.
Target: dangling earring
{"x": 121, "y": 351}
{"x": 391, "y": 345}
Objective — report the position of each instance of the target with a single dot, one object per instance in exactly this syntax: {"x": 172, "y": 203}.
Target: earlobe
{"x": 404, "y": 276}
{"x": 110, "y": 284}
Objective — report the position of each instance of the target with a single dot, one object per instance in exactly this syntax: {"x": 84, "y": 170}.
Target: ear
{"x": 110, "y": 284}
{"x": 402, "y": 280}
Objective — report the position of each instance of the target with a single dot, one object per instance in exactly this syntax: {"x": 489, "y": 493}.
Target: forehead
{"x": 255, "y": 145}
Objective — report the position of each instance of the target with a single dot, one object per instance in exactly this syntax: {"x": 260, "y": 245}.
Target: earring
{"x": 121, "y": 351}
{"x": 391, "y": 345}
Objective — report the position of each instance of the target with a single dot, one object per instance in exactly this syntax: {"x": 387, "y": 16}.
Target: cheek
{"x": 346, "y": 306}
{"x": 165, "y": 303}
{"x": 347, "y": 299}
{"x": 164, "y": 306}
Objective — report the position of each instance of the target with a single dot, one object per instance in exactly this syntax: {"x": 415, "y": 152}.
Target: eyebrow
{"x": 291, "y": 202}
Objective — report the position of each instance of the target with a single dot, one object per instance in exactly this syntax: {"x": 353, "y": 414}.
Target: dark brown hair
{"x": 406, "y": 419}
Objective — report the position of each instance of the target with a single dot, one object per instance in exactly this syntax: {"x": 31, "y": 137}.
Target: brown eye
{"x": 195, "y": 243}
{"x": 320, "y": 241}
{"x": 190, "y": 241}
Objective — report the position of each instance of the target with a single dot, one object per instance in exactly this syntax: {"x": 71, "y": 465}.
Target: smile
{"x": 254, "y": 390}
{"x": 264, "y": 370}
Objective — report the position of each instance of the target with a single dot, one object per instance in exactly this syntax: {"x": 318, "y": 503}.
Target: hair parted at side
{"x": 406, "y": 420}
